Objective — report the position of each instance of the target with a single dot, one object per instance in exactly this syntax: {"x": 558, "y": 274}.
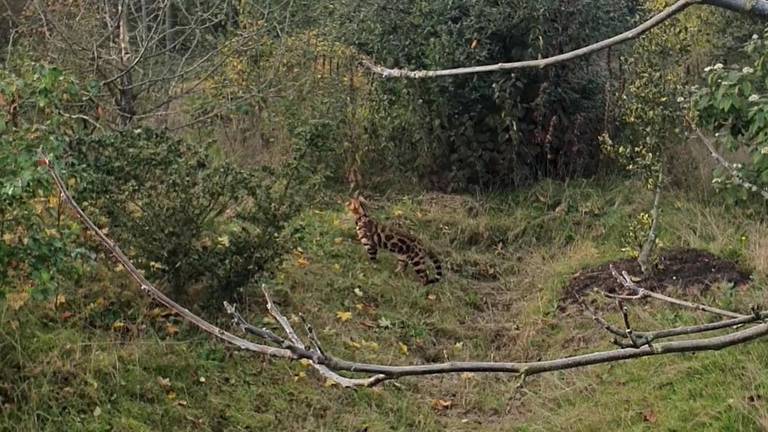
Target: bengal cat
{"x": 374, "y": 236}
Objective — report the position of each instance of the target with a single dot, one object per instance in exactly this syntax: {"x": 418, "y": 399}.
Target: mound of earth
{"x": 691, "y": 270}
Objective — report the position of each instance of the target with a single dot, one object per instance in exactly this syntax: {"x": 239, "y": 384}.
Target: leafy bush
{"x": 38, "y": 109}
{"x": 488, "y": 129}
{"x": 204, "y": 227}
{"x": 734, "y": 104}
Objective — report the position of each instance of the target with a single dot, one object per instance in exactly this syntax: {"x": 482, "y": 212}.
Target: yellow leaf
{"x": 329, "y": 383}
{"x": 355, "y": 345}
{"x": 432, "y": 297}
{"x": 59, "y": 300}
{"x": 359, "y": 306}
{"x": 373, "y": 346}
{"x": 171, "y": 329}
{"x": 398, "y": 213}
{"x": 302, "y": 262}
{"x": 467, "y": 376}
{"x": 8, "y": 238}
{"x": 441, "y": 404}
{"x": 299, "y": 376}
{"x": 17, "y": 299}
{"x": 97, "y": 412}
{"x": 118, "y": 326}
{"x": 223, "y": 241}
{"x": 459, "y": 345}
{"x": 358, "y": 292}
{"x": 171, "y": 395}
{"x": 343, "y": 316}
{"x": 338, "y": 240}
{"x": 336, "y": 268}
{"x": 403, "y": 348}
{"x": 306, "y": 362}
{"x": 53, "y": 201}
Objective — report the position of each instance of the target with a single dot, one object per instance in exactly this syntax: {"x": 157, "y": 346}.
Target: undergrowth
{"x": 100, "y": 357}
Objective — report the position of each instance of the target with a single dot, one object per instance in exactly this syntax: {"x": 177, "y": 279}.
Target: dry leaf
{"x": 59, "y": 300}
{"x": 165, "y": 383}
{"x": 97, "y": 412}
{"x": 403, "y": 348}
{"x": 432, "y": 297}
{"x": 442, "y": 404}
{"x": 17, "y": 299}
{"x": 118, "y": 326}
{"x": 358, "y": 292}
{"x": 649, "y": 416}
{"x": 302, "y": 262}
{"x": 300, "y": 375}
{"x": 338, "y": 240}
{"x": 343, "y": 316}
{"x": 171, "y": 329}
{"x": 474, "y": 44}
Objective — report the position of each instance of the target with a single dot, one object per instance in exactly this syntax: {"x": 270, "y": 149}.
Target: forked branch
{"x": 293, "y": 348}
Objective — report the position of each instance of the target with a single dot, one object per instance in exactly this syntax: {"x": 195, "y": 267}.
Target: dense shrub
{"x": 198, "y": 225}
{"x": 38, "y": 109}
{"x": 489, "y": 129}
{"x": 734, "y": 104}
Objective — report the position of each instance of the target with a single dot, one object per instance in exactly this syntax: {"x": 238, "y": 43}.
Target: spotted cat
{"x": 374, "y": 236}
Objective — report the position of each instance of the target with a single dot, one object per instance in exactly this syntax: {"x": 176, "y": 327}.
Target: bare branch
{"x": 327, "y": 365}
{"x": 758, "y": 8}
{"x": 654, "y": 21}
{"x": 150, "y": 289}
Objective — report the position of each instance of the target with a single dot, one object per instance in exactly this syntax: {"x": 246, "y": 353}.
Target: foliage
{"x": 734, "y": 104}
{"x": 491, "y": 129}
{"x": 38, "y": 105}
{"x": 204, "y": 226}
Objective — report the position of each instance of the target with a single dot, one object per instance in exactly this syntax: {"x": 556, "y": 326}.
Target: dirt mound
{"x": 692, "y": 270}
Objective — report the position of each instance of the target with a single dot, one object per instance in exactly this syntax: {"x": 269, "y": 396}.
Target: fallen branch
{"x": 639, "y": 293}
{"x": 293, "y": 349}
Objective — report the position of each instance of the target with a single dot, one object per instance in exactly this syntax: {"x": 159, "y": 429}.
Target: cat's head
{"x": 355, "y": 205}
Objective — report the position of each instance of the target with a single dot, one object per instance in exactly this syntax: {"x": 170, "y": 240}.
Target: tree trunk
{"x": 126, "y": 103}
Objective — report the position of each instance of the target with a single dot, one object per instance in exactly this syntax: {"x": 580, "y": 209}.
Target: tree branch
{"x": 758, "y": 8}
{"x": 329, "y": 366}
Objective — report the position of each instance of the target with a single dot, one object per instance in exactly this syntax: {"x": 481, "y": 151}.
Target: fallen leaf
{"x": 59, "y": 300}
{"x": 343, "y": 316}
{"x": 302, "y": 262}
{"x": 329, "y": 383}
{"x": 358, "y": 292}
{"x": 97, "y": 412}
{"x": 305, "y": 362}
{"x": 300, "y": 375}
{"x": 338, "y": 240}
{"x": 165, "y": 383}
{"x": 171, "y": 330}
{"x": 17, "y": 299}
{"x": 474, "y": 44}
{"x": 441, "y": 404}
{"x": 432, "y": 297}
{"x": 181, "y": 402}
{"x": 370, "y": 345}
{"x": 201, "y": 379}
{"x": 384, "y": 323}
{"x": 66, "y": 315}
{"x": 403, "y": 348}
{"x": 649, "y": 416}
{"x": 223, "y": 241}
{"x": 118, "y": 326}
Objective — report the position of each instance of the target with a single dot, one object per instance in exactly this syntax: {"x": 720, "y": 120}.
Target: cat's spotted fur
{"x": 374, "y": 236}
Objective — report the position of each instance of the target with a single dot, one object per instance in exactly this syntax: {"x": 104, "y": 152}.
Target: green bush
{"x": 39, "y": 106}
{"x": 203, "y": 227}
{"x": 733, "y": 103}
{"x": 494, "y": 129}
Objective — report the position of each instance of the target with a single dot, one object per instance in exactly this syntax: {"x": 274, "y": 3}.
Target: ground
{"x": 104, "y": 358}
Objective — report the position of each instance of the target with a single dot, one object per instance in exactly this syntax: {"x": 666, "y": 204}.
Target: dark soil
{"x": 691, "y": 270}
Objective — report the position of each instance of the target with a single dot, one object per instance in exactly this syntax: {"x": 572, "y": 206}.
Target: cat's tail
{"x": 438, "y": 268}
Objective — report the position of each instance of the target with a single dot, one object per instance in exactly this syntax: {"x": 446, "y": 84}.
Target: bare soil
{"x": 690, "y": 270}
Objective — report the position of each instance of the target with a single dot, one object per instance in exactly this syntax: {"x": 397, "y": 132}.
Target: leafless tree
{"x": 144, "y": 54}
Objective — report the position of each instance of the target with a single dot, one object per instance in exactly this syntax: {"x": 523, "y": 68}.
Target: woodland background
{"x": 216, "y": 140}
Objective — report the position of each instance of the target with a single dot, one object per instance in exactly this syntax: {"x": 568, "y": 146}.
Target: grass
{"x": 106, "y": 359}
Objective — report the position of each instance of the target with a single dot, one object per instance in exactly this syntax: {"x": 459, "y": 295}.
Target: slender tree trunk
{"x": 126, "y": 102}
{"x": 170, "y": 26}
{"x": 646, "y": 253}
